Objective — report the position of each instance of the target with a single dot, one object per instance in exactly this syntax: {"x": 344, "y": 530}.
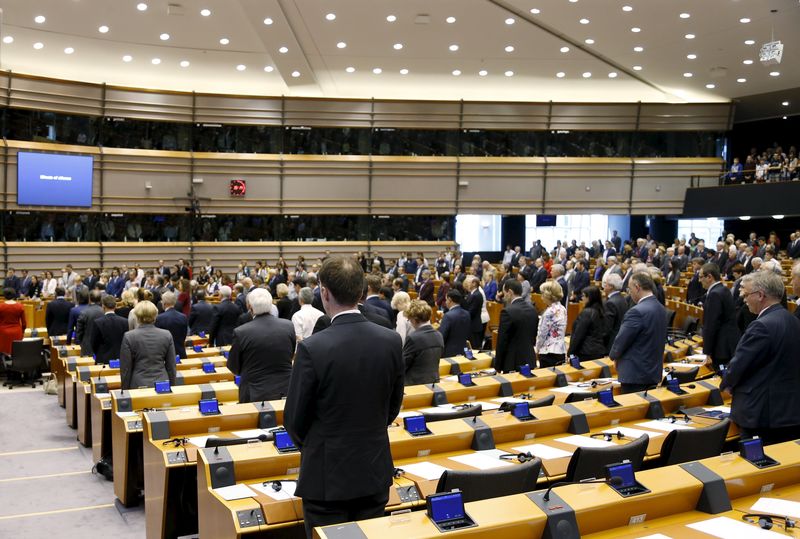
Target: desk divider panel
{"x": 483, "y": 437}
{"x": 207, "y": 392}
{"x": 654, "y": 410}
{"x": 505, "y": 386}
{"x": 714, "y": 498}
{"x": 439, "y": 395}
{"x": 715, "y": 398}
{"x": 220, "y": 467}
{"x": 561, "y": 378}
{"x": 344, "y": 531}
{"x": 577, "y": 423}
{"x": 605, "y": 371}
{"x": 159, "y": 425}
{"x": 561, "y": 521}
{"x": 124, "y": 403}
{"x": 266, "y": 415}
{"x": 454, "y": 367}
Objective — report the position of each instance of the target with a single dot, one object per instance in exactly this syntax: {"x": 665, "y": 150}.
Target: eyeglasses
{"x": 745, "y": 295}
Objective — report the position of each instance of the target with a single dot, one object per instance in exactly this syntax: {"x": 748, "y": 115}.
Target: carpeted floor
{"x": 46, "y": 485}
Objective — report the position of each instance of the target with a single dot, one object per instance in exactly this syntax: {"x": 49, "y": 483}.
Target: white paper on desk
{"x": 584, "y": 441}
{"x": 200, "y": 441}
{"x": 128, "y": 414}
{"x": 726, "y": 409}
{"x": 426, "y": 470}
{"x": 501, "y": 400}
{"x": 437, "y": 409}
{"x": 728, "y": 528}
{"x": 401, "y": 415}
{"x": 235, "y": 492}
{"x": 485, "y": 406}
{"x": 632, "y": 433}
{"x": 103, "y": 395}
{"x": 249, "y": 433}
{"x": 697, "y": 357}
{"x": 450, "y": 379}
{"x": 544, "y": 452}
{"x": 777, "y": 506}
{"x": 666, "y": 426}
{"x": 286, "y": 492}
{"x": 678, "y": 366}
{"x": 572, "y": 389}
{"x": 655, "y": 536}
{"x": 481, "y": 462}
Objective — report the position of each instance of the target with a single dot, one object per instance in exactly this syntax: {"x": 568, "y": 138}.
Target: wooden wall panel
{"x": 423, "y": 185}
{"x": 528, "y": 116}
{"x": 325, "y": 185}
{"x": 422, "y": 115}
{"x": 54, "y": 95}
{"x": 148, "y": 105}
{"x": 328, "y": 112}
{"x": 261, "y": 172}
{"x": 233, "y": 110}
{"x": 41, "y": 256}
{"x": 585, "y": 185}
{"x": 127, "y": 173}
{"x": 594, "y": 117}
{"x": 509, "y": 186}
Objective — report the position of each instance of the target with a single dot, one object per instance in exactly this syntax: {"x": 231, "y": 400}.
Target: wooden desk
{"x": 207, "y": 351}
{"x": 64, "y": 365}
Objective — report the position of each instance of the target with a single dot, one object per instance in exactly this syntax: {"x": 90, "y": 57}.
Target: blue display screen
{"x": 163, "y": 387}
{"x": 447, "y": 507}
{"x": 283, "y": 440}
{"x": 209, "y": 406}
{"x": 522, "y": 410}
{"x": 45, "y": 179}
{"x": 606, "y": 396}
{"x": 415, "y": 423}
{"x": 574, "y": 362}
{"x": 673, "y": 384}
{"x": 753, "y": 450}
{"x": 623, "y": 471}
{"x": 525, "y": 370}
{"x": 197, "y": 348}
{"x": 113, "y": 363}
{"x": 465, "y": 379}
{"x": 209, "y": 367}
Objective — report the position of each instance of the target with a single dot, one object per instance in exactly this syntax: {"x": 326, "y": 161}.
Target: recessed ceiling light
{"x": 510, "y": 21}
{"x": 341, "y": 45}
{"x": 241, "y": 67}
{"x": 688, "y": 75}
{"x": 224, "y": 41}
{"x": 377, "y": 71}
{"x": 774, "y": 73}
{"x": 184, "y": 63}
{"x": 483, "y": 72}
{"x": 141, "y": 6}
{"x": 331, "y": 16}
{"x": 744, "y": 20}
{"x": 573, "y": 1}
{"x": 268, "y": 21}
{"x": 391, "y": 18}
{"x": 456, "y": 72}
{"x": 711, "y": 86}
{"x": 741, "y": 80}
{"x": 397, "y": 46}
{"x": 404, "y": 71}
{"x": 283, "y": 50}
{"x": 587, "y": 75}
{"x": 350, "y": 69}
{"x": 612, "y": 75}
{"x": 564, "y": 49}
{"x": 744, "y": 217}
{"x": 584, "y": 21}
{"x": 295, "y": 74}
{"x": 750, "y": 42}
{"x": 589, "y": 41}
{"x": 127, "y": 58}
{"x": 38, "y": 45}
{"x": 69, "y": 50}
{"x": 509, "y": 48}
{"x": 8, "y": 39}
{"x": 205, "y": 12}
{"x": 155, "y": 61}
{"x": 453, "y": 48}
{"x": 747, "y": 62}
{"x": 785, "y": 103}
{"x": 269, "y": 69}
{"x": 561, "y": 74}
{"x": 103, "y": 29}
{"x": 39, "y": 19}
{"x": 164, "y": 37}
{"x": 627, "y": 8}
{"x": 509, "y": 73}
{"x": 535, "y": 11}
{"x": 689, "y": 36}
{"x": 684, "y": 15}
{"x": 691, "y": 56}
{"x": 636, "y": 29}
{"x": 450, "y": 20}
{"x": 637, "y": 68}
{"x": 638, "y": 49}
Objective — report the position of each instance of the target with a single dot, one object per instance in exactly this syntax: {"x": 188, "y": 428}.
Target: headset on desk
{"x": 765, "y": 522}
{"x": 594, "y": 383}
{"x": 177, "y": 442}
{"x": 608, "y": 436}
{"x": 521, "y": 457}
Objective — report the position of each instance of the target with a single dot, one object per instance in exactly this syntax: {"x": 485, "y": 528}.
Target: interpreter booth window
{"x": 391, "y": 141}
{"x": 209, "y": 137}
{"x": 566, "y": 228}
{"x": 708, "y": 230}
{"x": 52, "y": 127}
{"x": 478, "y": 232}
{"x": 495, "y": 143}
{"x": 412, "y": 228}
{"x": 146, "y": 134}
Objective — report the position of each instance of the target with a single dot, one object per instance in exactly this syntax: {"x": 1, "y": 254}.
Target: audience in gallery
{"x": 771, "y": 165}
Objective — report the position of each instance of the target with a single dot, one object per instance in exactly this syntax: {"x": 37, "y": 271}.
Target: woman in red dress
{"x": 12, "y": 321}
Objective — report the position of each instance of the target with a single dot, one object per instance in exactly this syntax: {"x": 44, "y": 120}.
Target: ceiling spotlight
{"x": 69, "y": 50}
{"x": 103, "y": 29}
{"x": 269, "y": 69}
{"x": 456, "y": 72}
{"x": 636, "y": 29}
{"x": 295, "y": 74}
{"x": 8, "y": 39}
{"x": 711, "y": 86}
{"x": 397, "y": 46}
{"x": 778, "y": 216}
{"x": 391, "y": 18}
{"x": 205, "y": 12}
{"x": 268, "y": 21}
{"x": 509, "y": 48}
{"x": 774, "y": 73}
{"x": 612, "y": 75}
{"x": 331, "y": 16}
{"x": 750, "y": 42}
{"x": 741, "y": 80}
{"x": 536, "y": 11}
{"x": 638, "y": 49}
{"x": 785, "y": 103}
{"x": 164, "y": 37}
{"x": 404, "y": 71}
{"x": 241, "y": 67}
{"x": 155, "y": 61}
{"x": 39, "y": 19}
{"x": 587, "y": 75}
{"x": 350, "y": 69}
{"x": 744, "y": 20}
{"x": 688, "y": 75}
{"x": 224, "y": 41}
{"x": 637, "y": 68}
{"x": 453, "y": 48}
{"x": 627, "y": 8}
{"x": 341, "y": 45}
{"x": 589, "y": 41}
{"x": 38, "y": 45}
{"x": 377, "y": 71}
{"x": 127, "y": 58}
{"x": 684, "y": 15}
{"x": 561, "y": 74}
{"x": 784, "y": 117}
{"x": 744, "y": 217}
{"x": 689, "y": 36}
{"x": 141, "y": 6}
{"x": 450, "y": 20}
{"x": 510, "y": 21}
{"x": 691, "y": 56}
{"x": 747, "y": 62}
{"x": 283, "y": 50}
{"x": 564, "y": 49}
{"x": 584, "y": 21}
{"x": 184, "y": 63}
{"x": 483, "y": 72}
{"x": 509, "y": 73}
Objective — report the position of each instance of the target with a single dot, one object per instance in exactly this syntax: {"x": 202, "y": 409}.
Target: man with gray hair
{"x": 262, "y": 351}
{"x": 173, "y": 321}
{"x": 226, "y": 314}
{"x": 305, "y": 319}
{"x": 764, "y": 374}
{"x": 615, "y": 306}
{"x": 557, "y": 272}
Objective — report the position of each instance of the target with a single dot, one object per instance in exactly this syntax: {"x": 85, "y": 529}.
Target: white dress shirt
{"x": 304, "y": 321}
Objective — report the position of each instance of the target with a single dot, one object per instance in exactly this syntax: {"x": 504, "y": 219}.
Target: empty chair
{"x": 588, "y": 462}
{"x": 469, "y": 411}
{"x": 26, "y": 361}
{"x": 579, "y": 396}
{"x": 689, "y": 325}
{"x": 480, "y": 485}
{"x": 684, "y": 377}
{"x": 688, "y": 445}
{"x": 670, "y": 317}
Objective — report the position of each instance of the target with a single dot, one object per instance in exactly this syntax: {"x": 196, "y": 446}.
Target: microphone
{"x": 217, "y": 442}
{"x": 614, "y": 481}
{"x": 654, "y": 386}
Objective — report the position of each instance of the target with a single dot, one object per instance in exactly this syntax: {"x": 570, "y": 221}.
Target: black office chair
{"x": 588, "y": 462}
{"x": 689, "y": 326}
{"x": 684, "y": 377}
{"x": 26, "y": 362}
{"x": 579, "y": 396}
{"x": 480, "y": 485}
{"x": 688, "y": 445}
{"x": 670, "y": 317}
{"x": 544, "y": 401}
{"x": 470, "y": 411}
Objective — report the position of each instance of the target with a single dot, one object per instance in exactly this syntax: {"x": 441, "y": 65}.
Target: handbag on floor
{"x": 49, "y": 386}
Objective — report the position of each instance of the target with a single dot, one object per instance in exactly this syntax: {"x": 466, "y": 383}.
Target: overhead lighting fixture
{"x": 535, "y": 11}
{"x": 779, "y": 217}
{"x": 774, "y": 73}
{"x": 391, "y": 18}
{"x": 785, "y": 103}
{"x": 589, "y": 41}
{"x": 241, "y": 67}
{"x": 587, "y": 75}
{"x": 636, "y": 29}
{"x": 155, "y": 61}
{"x": 689, "y": 36}
{"x": 269, "y": 69}
{"x": 509, "y": 73}
{"x": 750, "y": 42}
{"x": 456, "y": 72}
{"x": 164, "y": 37}
{"x": 268, "y": 21}
{"x": 350, "y": 69}
{"x": 741, "y": 80}
{"x": 744, "y": 217}
{"x": 331, "y": 16}
{"x": 404, "y": 71}
{"x": 564, "y": 49}
{"x": 483, "y": 72}
{"x": 510, "y": 21}
{"x": 295, "y": 74}
{"x": 103, "y": 29}
{"x": 283, "y": 50}
{"x": 377, "y": 70}
{"x": 638, "y": 49}
{"x": 341, "y": 45}
{"x": 453, "y": 48}
{"x": 509, "y": 48}
{"x": 39, "y": 19}
{"x": 38, "y": 45}
{"x": 141, "y": 6}
{"x": 688, "y": 75}
{"x": 637, "y": 68}
{"x": 627, "y": 8}
{"x": 744, "y": 20}
{"x": 397, "y": 46}
{"x": 784, "y": 117}
{"x": 584, "y": 21}
{"x": 69, "y": 50}
{"x": 747, "y": 62}
{"x": 224, "y": 41}
{"x": 691, "y": 56}
{"x": 8, "y": 40}
{"x": 450, "y": 20}
{"x": 612, "y": 75}
{"x": 205, "y": 12}
{"x": 684, "y": 15}
{"x": 127, "y": 58}
{"x": 711, "y": 86}
{"x": 184, "y": 63}
{"x": 561, "y": 74}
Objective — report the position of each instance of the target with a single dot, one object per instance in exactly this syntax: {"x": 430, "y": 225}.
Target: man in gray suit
{"x": 85, "y": 324}
{"x": 147, "y": 354}
{"x": 638, "y": 350}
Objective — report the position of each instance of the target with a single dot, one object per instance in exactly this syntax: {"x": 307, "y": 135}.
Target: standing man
{"x": 173, "y": 321}
{"x": 346, "y": 388}
{"x": 201, "y": 316}
{"x": 455, "y": 326}
{"x": 516, "y": 334}
{"x": 84, "y": 324}
{"x": 108, "y": 332}
{"x": 473, "y": 302}
{"x": 226, "y": 315}
{"x": 57, "y": 314}
{"x": 795, "y": 288}
{"x": 720, "y": 334}
{"x": 638, "y": 350}
{"x": 764, "y": 374}
{"x": 615, "y": 306}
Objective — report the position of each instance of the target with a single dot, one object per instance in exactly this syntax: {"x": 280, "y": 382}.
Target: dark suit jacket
{"x": 345, "y": 389}
{"x": 147, "y": 355}
{"x": 381, "y": 307}
{"x": 84, "y": 326}
{"x": 472, "y": 304}
{"x": 175, "y": 322}
{"x": 370, "y": 313}
{"x": 201, "y": 318}
{"x": 426, "y": 292}
{"x": 615, "y": 306}
{"x": 580, "y": 281}
{"x": 694, "y": 290}
{"x": 639, "y": 346}
{"x": 284, "y": 306}
{"x": 107, "y": 333}
{"x": 564, "y": 290}
{"x": 262, "y": 353}
{"x": 516, "y": 335}
{"x": 56, "y": 316}
{"x": 764, "y": 373}
{"x": 455, "y": 330}
{"x": 589, "y": 333}
{"x": 538, "y": 279}
{"x": 720, "y": 334}
{"x": 422, "y": 351}
{"x": 226, "y": 313}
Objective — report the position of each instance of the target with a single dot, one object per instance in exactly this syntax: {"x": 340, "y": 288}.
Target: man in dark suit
{"x": 262, "y": 351}
{"x": 526, "y": 268}
{"x": 108, "y": 331}
{"x": 347, "y": 467}
{"x": 516, "y": 334}
{"x": 201, "y": 316}
{"x": 473, "y": 303}
{"x": 426, "y": 289}
{"x": 539, "y": 276}
{"x": 764, "y": 373}
{"x": 720, "y": 334}
{"x": 615, "y": 306}
{"x": 616, "y": 240}
{"x": 82, "y": 295}
{"x": 638, "y": 349}
{"x": 793, "y": 249}
{"x": 695, "y": 292}
{"x": 226, "y": 314}
{"x": 56, "y": 316}
{"x": 373, "y": 301}
{"x": 173, "y": 321}
{"x": 376, "y": 258}
{"x": 515, "y": 259}
{"x": 455, "y": 326}
{"x": 241, "y": 298}
{"x": 12, "y": 281}
{"x": 796, "y": 287}
{"x": 580, "y": 280}
{"x": 84, "y": 324}
{"x": 557, "y": 271}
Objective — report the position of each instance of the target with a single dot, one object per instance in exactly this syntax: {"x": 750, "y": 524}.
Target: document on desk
{"x": 234, "y": 492}
{"x": 631, "y": 433}
{"x": 481, "y": 461}
{"x": 200, "y": 441}
{"x": 666, "y": 426}
{"x": 728, "y": 528}
{"x": 426, "y": 470}
{"x": 655, "y": 536}
{"x": 544, "y": 452}
{"x": 584, "y": 441}
{"x": 401, "y": 415}
{"x": 724, "y": 409}
{"x": 777, "y": 506}
{"x": 570, "y": 389}
{"x": 697, "y": 357}
{"x": 286, "y": 492}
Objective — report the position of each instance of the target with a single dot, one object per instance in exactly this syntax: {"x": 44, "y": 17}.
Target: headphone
{"x": 521, "y": 457}
{"x": 177, "y": 442}
{"x": 765, "y": 522}
{"x": 398, "y": 472}
{"x": 608, "y": 436}
{"x": 465, "y": 406}
{"x": 277, "y": 485}
{"x": 675, "y": 419}
{"x": 526, "y": 396}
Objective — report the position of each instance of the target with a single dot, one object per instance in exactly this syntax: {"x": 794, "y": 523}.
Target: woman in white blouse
{"x": 49, "y": 285}
{"x": 400, "y": 302}
{"x": 550, "y": 345}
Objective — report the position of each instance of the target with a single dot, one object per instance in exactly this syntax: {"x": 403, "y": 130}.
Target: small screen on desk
{"x": 752, "y": 449}
{"x": 465, "y": 379}
{"x": 446, "y": 507}
{"x": 209, "y": 406}
{"x": 624, "y": 471}
{"x": 163, "y": 387}
{"x": 209, "y": 367}
{"x": 525, "y": 370}
{"x": 673, "y": 384}
{"x": 415, "y": 423}
{"x": 522, "y": 410}
{"x": 113, "y": 363}
{"x": 606, "y": 396}
{"x": 283, "y": 440}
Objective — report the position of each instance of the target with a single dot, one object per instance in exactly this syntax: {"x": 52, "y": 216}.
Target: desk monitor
{"x": 283, "y": 442}
{"x": 209, "y": 406}
{"x": 606, "y": 398}
{"x": 674, "y": 385}
{"x": 625, "y": 483}
{"x": 468, "y": 353}
{"x": 113, "y": 363}
{"x": 574, "y": 362}
{"x": 447, "y": 512}
{"x": 197, "y": 348}
{"x": 163, "y": 387}
{"x": 522, "y": 411}
{"x": 752, "y": 450}
{"x": 525, "y": 370}
{"x": 209, "y": 367}
{"x": 465, "y": 379}
{"x": 415, "y": 425}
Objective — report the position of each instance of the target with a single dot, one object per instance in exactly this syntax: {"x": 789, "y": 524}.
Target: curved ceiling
{"x": 520, "y": 50}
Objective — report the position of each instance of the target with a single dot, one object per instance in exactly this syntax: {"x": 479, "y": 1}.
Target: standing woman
{"x": 49, "y": 285}
{"x": 400, "y": 302}
{"x": 147, "y": 353}
{"x": 423, "y": 347}
{"x": 550, "y": 343}
{"x": 184, "y": 303}
{"x": 35, "y": 288}
{"x": 489, "y": 285}
{"x": 12, "y": 321}
{"x": 590, "y": 328}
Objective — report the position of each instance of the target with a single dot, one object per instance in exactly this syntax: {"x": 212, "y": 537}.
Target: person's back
{"x": 421, "y": 354}
{"x": 107, "y": 335}
{"x": 201, "y": 318}
{"x": 516, "y": 334}
{"x": 57, "y": 316}
{"x": 147, "y": 354}
{"x": 589, "y": 334}
{"x": 455, "y": 329}
{"x": 226, "y": 316}
{"x": 85, "y": 325}
{"x": 175, "y": 322}
{"x": 615, "y": 308}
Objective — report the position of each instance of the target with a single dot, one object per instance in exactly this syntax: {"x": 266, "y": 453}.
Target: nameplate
{"x": 207, "y": 391}
{"x": 482, "y": 438}
{"x": 605, "y": 370}
{"x": 266, "y": 415}
{"x": 179, "y": 378}
{"x": 714, "y": 498}
{"x": 577, "y": 423}
{"x": 344, "y": 531}
{"x": 159, "y": 425}
{"x": 505, "y": 386}
{"x": 455, "y": 368}
{"x": 714, "y": 397}
{"x": 561, "y": 522}
{"x": 654, "y": 409}
{"x": 439, "y": 395}
{"x": 220, "y": 466}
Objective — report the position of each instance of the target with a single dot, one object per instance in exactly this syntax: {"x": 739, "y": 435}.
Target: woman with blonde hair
{"x": 423, "y": 347}
{"x": 550, "y": 344}
{"x": 400, "y": 302}
{"x": 147, "y": 354}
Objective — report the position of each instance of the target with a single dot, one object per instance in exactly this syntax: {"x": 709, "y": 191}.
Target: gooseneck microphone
{"x": 615, "y": 481}
{"x": 217, "y": 442}
{"x": 654, "y": 386}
